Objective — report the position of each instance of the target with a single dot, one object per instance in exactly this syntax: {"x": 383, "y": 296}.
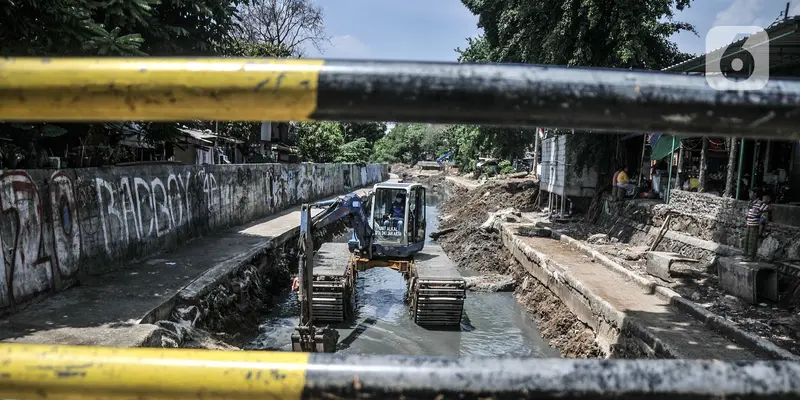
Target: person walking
{"x": 756, "y": 219}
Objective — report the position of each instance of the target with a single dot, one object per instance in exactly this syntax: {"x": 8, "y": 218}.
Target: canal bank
{"x": 475, "y": 248}
{"x": 627, "y": 319}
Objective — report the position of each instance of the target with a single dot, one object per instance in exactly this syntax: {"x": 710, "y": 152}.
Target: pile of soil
{"x": 557, "y": 324}
{"x": 473, "y": 248}
{"x": 469, "y": 246}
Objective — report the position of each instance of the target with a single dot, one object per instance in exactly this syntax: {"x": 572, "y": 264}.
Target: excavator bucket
{"x": 312, "y": 339}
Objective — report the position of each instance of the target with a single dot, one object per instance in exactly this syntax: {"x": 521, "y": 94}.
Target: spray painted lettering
{"x": 55, "y": 225}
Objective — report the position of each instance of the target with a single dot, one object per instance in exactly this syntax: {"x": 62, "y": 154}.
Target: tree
{"x": 189, "y": 27}
{"x": 319, "y": 141}
{"x": 70, "y": 27}
{"x": 590, "y": 33}
{"x": 290, "y": 24}
{"x": 354, "y": 151}
{"x": 112, "y": 28}
{"x": 401, "y": 144}
{"x": 369, "y": 131}
{"x": 599, "y": 33}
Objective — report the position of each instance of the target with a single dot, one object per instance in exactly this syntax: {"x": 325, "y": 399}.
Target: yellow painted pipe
{"x": 157, "y": 89}
{"x": 83, "y": 372}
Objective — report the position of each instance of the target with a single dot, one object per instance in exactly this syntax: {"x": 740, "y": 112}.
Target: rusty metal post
{"x": 306, "y": 265}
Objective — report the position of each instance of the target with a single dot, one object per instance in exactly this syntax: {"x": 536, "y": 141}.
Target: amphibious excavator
{"x": 388, "y": 230}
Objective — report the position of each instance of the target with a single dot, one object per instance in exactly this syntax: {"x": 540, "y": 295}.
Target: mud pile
{"x": 473, "y": 247}
{"x": 468, "y": 245}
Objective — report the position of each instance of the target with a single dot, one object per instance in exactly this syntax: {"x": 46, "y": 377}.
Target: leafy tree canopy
{"x": 590, "y": 33}
{"x": 319, "y": 141}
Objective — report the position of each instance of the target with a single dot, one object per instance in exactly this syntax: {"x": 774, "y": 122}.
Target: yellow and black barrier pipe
{"x": 76, "y": 372}
{"x": 182, "y": 89}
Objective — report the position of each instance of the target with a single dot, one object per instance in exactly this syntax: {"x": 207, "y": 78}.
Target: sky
{"x": 430, "y": 30}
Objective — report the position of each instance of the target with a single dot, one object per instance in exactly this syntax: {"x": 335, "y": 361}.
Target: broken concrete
{"x": 749, "y": 281}
{"x": 659, "y": 263}
{"x": 618, "y": 310}
{"x": 490, "y": 283}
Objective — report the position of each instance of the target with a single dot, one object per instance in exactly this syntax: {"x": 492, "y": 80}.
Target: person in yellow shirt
{"x": 624, "y": 183}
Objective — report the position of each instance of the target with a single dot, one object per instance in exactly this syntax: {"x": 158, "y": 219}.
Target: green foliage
{"x": 354, "y": 151}
{"x": 401, "y": 144}
{"x": 600, "y": 33}
{"x": 371, "y": 132}
{"x": 241, "y": 48}
{"x": 590, "y": 33}
{"x": 319, "y": 141}
{"x": 505, "y": 167}
{"x": 115, "y": 28}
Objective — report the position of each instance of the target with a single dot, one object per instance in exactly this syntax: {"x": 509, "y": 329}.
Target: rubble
{"x": 697, "y": 282}
{"x": 490, "y": 283}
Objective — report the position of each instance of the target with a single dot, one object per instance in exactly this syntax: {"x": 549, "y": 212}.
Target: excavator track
{"x": 333, "y": 284}
{"x": 436, "y": 289}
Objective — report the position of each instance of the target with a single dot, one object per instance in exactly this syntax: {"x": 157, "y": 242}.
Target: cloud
{"x": 746, "y": 14}
{"x": 795, "y": 8}
{"x": 347, "y": 46}
{"x": 740, "y": 12}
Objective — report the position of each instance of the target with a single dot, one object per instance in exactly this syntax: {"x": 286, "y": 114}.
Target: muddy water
{"x": 494, "y": 323}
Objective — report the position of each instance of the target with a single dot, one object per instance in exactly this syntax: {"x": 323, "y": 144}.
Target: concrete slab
{"x": 606, "y": 302}
{"x": 748, "y": 280}
{"x": 659, "y": 263}
{"x": 115, "y": 309}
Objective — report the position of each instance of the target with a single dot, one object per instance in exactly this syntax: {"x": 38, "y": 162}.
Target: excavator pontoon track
{"x": 333, "y": 295}
{"x": 437, "y": 302}
{"x": 436, "y": 290}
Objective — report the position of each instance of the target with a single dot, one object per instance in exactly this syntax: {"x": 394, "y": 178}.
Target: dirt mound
{"x": 468, "y": 245}
{"x": 557, "y": 324}
{"x": 400, "y": 169}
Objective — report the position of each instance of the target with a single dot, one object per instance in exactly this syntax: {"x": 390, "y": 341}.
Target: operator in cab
{"x": 398, "y": 212}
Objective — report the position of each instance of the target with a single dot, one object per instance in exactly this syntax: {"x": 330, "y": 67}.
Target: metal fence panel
{"x": 60, "y": 372}
{"x": 178, "y": 89}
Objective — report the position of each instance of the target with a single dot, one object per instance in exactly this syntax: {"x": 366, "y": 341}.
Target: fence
{"x": 175, "y": 89}
{"x": 257, "y": 89}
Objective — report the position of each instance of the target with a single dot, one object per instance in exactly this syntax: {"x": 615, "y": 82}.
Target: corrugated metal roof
{"x": 783, "y": 36}
{"x": 208, "y": 136}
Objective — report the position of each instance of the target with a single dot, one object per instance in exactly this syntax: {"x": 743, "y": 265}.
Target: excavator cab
{"x": 397, "y": 219}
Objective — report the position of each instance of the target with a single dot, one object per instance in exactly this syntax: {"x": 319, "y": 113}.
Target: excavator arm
{"x": 351, "y": 209}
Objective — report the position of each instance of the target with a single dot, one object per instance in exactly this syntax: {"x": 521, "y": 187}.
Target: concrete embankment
{"x": 626, "y": 319}
{"x": 211, "y": 283}
{"x": 58, "y": 227}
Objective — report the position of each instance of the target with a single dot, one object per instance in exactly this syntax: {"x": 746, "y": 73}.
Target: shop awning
{"x": 664, "y": 146}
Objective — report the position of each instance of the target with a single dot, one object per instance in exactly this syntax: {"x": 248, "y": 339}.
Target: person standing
{"x": 756, "y": 220}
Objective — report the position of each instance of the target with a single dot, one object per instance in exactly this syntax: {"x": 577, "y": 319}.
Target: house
{"x": 204, "y": 147}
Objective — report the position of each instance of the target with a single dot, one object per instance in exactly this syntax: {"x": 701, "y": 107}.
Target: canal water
{"x": 493, "y": 324}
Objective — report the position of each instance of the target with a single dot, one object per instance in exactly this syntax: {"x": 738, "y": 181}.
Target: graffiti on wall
{"x": 132, "y": 208}
{"x": 25, "y": 237}
{"x": 53, "y": 224}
